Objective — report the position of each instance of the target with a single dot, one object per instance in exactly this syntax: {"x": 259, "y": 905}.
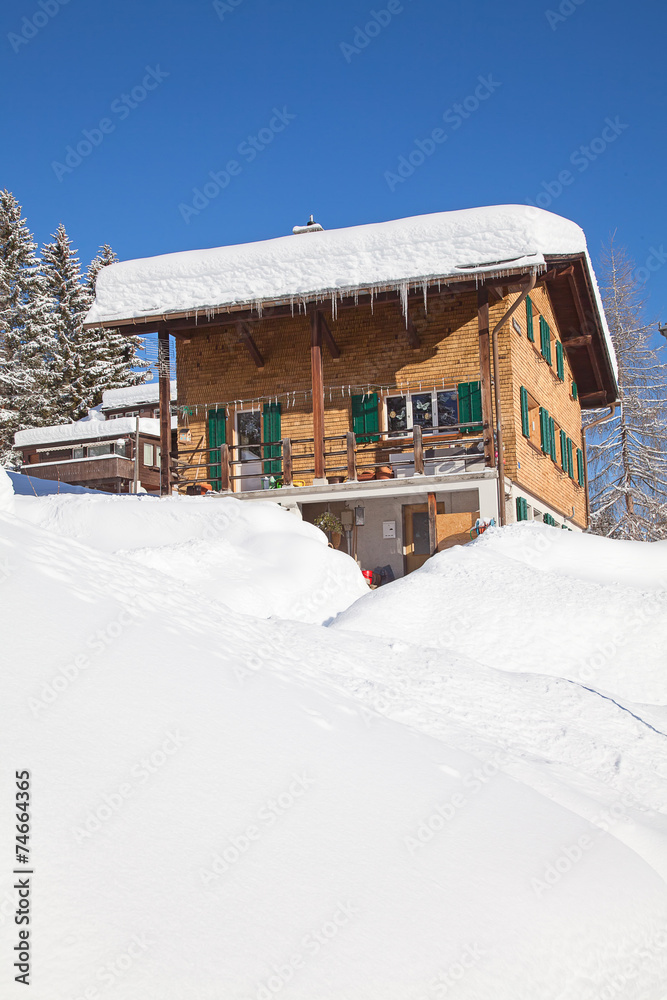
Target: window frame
{"x": 409, "y": 415}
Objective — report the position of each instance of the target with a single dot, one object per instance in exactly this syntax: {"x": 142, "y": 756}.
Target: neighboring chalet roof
{"x": 133, "y": 395}
{"x": 86, "y": 430}
{"x": 503, "y": 241}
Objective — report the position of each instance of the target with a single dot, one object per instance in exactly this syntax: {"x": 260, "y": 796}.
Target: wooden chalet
{"x": 413, "y": 377}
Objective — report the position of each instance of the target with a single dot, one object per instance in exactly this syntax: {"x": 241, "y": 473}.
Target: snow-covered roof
{"x": 87, "y": 430}
{"x": 495, "y": 241}
{"x": 133, "y": 395}
{"x": 383, "y": 255}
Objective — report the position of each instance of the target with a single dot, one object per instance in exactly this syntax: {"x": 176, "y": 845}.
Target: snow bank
{"x": 532, "y": 599}
{"x": 256, "y": 558}
{"x": 6, "y": 492}
{"x": 384, "y": 255}
{"x": 213, "y": 818}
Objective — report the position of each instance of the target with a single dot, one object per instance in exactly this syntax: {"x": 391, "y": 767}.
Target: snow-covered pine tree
{"x": 628, "y": 454}
{"x": 76, "y": 376}
{"x": 26, "y": 345}
{"x": 112, "y": 357}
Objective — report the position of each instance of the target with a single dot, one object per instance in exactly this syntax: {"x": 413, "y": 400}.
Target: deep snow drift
{"x": 227, "y": 806}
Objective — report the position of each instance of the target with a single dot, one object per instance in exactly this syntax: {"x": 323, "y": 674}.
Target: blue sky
{"x": 315, "y": 116}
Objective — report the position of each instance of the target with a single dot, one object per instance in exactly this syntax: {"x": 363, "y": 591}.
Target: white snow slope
{"x": 230, "y": 806}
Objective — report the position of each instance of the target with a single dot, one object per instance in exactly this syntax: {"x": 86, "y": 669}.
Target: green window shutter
{"x": 217, "y": 435}
{"x": 580, "y": 467}
{"x": 529, "y": 320}
{"x": 525, "y": 417}
{"x": 563, "y": 450}
{"x": 552, "y": 438}
{"x": 560, "y": 367}
{"x": 365, "y": 417}
{"x": 521, "y": 509}
{"x": 470, "y": 406}
{"x": 272, "y": 439}
{"x": 575, "y": 391}
{"x": 545, "y": 339}
{"x": 544, "y": 430}
{"x": 570, "y": 462}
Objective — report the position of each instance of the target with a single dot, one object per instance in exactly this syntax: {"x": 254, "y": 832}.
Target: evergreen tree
{"x": 628, "y": 454}
{"x": 26, "y": 347}
{"x": 112, "y": 357}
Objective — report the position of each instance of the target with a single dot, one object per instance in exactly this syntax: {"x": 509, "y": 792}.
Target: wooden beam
{"x": 485, "y": 373}
{"x": 418, "y": 444}
{"x": 224, "y": 467}
{"x": 332, "y": 346}
{"x": 247, "y": 338}
{"x": 164, "y": 389}
{"x": 413, "y": 336}
{"x": 351, "y": 444}
{"x": 582, "y": 341}
{"x": 287, "y": 461}
{"x": 432, "y": 524}
{"x": 594, "y": 397}
{"x": 318, "y": 392}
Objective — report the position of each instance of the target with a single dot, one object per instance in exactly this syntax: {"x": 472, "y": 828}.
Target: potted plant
{"x": 331, "y": 526}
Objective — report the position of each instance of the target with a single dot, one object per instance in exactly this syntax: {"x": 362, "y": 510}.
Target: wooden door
{"x": 451, "y": 529}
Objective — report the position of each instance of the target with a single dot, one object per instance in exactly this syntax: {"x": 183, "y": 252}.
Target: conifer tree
{"x": 112, "y": 357}
{"x": 75, "y": 383}
{"x": 628, "y": 454}
{"x": 26, "y": 346}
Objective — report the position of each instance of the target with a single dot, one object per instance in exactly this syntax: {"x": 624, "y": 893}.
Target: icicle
{"x": 371, "y": 292}
{"x": 403, "y": 288}
{"x": 425, "y": 290}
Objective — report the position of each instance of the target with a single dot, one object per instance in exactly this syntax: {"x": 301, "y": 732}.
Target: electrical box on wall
{"x": 389, "y": 529}
{"x": 359, "y": 515}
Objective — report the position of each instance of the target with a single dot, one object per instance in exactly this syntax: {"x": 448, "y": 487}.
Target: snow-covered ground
{"x": 457, "y": 788}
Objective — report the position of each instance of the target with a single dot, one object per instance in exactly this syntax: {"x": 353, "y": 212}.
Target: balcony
{"x": 99, "y": 472}
{"x": 289, "y": 465}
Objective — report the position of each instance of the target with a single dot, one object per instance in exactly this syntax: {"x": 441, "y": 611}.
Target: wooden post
{"x": 419, "y": 449}
{"x": 224, "y": 467}
{"x": 287, "y": 462}
{"x": 432, "y": 523}
{"x": 485, "y": 373}
{"x": 165, "y": 412}
{"x": 135, "y": 484}
{"x": 351, "y": 441}
{"x": 318, "y": 394}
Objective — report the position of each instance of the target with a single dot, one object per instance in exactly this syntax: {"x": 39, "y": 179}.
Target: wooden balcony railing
{"x": 290, "y": 462}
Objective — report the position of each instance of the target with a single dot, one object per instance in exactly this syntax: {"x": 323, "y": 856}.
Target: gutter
{"x": 496, "y": 387}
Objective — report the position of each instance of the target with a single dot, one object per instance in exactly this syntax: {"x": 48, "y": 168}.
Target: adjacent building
{"x": 116, "y": 448}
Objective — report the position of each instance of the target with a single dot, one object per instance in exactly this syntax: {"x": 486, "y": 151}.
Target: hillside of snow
{"x": 232, "y": 799}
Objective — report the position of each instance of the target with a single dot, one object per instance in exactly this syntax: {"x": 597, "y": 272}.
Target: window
{"x": 78, "y": 452}
{"x": 365, "y": 419}
{"x": 434, "y": 410}
{"x": 94, "y": 450}
{"x": 529, "y": 319}
{"x": 560, "y": 367}
{"x": 149, "y": 454}
{"x": 249, "y": 433}
{"x": 545, "y": 340}
{"x": 521, "y": 509}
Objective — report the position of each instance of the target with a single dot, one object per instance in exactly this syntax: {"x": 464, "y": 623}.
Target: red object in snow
{"x": 368, "y": 574}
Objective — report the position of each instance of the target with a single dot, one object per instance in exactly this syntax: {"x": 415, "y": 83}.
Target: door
{"x": 451, "y": 529}
{"x": 249, "y": 451}
{"x": 417, "y": 546}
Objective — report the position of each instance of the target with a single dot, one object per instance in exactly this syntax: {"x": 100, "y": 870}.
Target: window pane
{"x": 148, "y": 454}
{"x": 420, "y": 538}
{"x": 448, "y": 408}
{"x": 100, "y": 449}
{"x": 121, "y": 448}
{"x": 249, "y": 428}
{"x": 397, "y": 415}
{"x": 422, "y": 409}
{"x": 78, "y": 453}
